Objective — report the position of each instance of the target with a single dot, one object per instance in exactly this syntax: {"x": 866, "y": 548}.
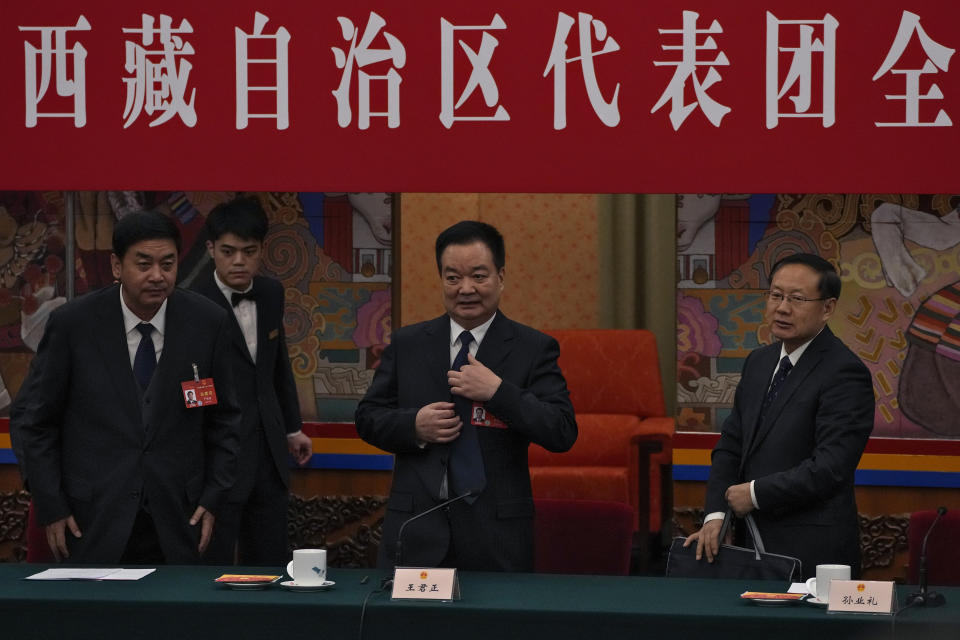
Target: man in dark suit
{"x": 253, "y": 522}
{"x": 120, "y": 469}
{"x": 802, "y": 415}
{"x": 420, "y": 407}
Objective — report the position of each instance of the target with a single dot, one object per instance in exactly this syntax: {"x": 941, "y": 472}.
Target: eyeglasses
{"x": 794, "y": 300}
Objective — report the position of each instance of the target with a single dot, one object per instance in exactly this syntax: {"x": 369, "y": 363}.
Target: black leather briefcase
{"x": 733, "y": 562}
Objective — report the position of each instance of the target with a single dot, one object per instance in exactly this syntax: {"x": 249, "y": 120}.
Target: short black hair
{"x": 468, "y": 232}
{"x": 244, "y": 217}
{"x": 829, "y": 284}
{"x": 136, "y": 227}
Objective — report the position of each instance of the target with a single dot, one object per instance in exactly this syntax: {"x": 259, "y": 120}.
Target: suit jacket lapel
{"x": 112, "y": 342}
{"x": 209, "y": 288}
{"x": 437, "y": 355}
{"x": 265, "y": 320}
{"x": 175, "y": 333}
{"x": 805, "y": 366}
{"x": 497, "y": 343}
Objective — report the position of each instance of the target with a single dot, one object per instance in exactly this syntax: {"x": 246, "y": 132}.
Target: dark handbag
{"x": 732, "y": 562}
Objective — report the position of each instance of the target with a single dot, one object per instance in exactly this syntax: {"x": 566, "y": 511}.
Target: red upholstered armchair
{"x": 623, "y": 453}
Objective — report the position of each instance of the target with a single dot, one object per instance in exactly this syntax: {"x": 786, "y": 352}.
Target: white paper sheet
{"x": 73, "y": 574}
{"x": 798, "y": 587}
{"x": 129, "y": 574}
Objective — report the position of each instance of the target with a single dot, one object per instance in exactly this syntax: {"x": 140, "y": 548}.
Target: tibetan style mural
{"x": 899, "y": 260}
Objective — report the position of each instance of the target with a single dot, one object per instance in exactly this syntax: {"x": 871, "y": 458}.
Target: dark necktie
{"x": 782, "y": 372}
{"x": 236, "y": 297}
{"x": 466, "y": 462}
{"x": 145, "y": 360}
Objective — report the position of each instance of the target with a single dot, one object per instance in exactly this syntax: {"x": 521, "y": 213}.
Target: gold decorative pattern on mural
{"x": 874, "y": 354}
{"x": 893, "y": 367}
{"x": 303, "y": 323}
{"x": 900, "y": 342}
{"x": 881, "y": 379}
{"x": 837, "y": 212}
{"x": 866, "y": 308}
{"x": 890, "y": 315}
{"x": 865, "y": 270}
{"x": 885, "y": 412}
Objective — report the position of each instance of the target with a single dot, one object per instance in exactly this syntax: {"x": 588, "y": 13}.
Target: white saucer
{"x": 293, "y": 586}
{"x": 816, "y": 601}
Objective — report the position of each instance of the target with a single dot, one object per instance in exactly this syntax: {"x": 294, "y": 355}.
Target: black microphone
{"x": 445, "y": 503}
{"x": 922, "y": 597}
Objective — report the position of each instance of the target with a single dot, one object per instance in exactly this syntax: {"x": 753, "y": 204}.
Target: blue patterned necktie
{"x": 145, "y": 360}
{"x": 466, "y": 462}
{"x": 782, "y": 372}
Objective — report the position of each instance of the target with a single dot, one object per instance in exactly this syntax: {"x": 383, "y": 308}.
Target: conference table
{"x": 184, "y": 602}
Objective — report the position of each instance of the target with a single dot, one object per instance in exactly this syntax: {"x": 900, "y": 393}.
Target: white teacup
{"x": 308, "y": 567}
{"x": 820, "y": 585}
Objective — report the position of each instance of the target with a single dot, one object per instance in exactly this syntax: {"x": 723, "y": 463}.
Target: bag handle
{"x": 751, "y": 527}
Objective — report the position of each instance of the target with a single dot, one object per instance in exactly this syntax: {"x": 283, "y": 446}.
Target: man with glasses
{"x": 802, "y": 414}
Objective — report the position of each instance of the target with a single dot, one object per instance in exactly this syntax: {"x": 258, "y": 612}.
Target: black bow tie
{"x": 236, "y": 297}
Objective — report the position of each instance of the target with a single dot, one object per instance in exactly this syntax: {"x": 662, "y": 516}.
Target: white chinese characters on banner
{"x": 360, "y": 55}
{"x": 687, "y": 70}
{"x": 799, "y": 55}
{"x": 160, "y": 76}
{"x": 937, "y": 59}
{"x": 608, "y": 112}
{"x": 800, "y": 75}
{"x": 53, "y": 54}
{"x": 280, "y": 64}
{"x": 480, "y": 75}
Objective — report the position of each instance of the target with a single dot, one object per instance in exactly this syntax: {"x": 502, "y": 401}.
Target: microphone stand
{"x": 446, "y": 503}
{"x": 924, "y": 598}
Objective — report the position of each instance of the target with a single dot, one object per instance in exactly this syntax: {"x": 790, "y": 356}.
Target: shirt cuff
{"x": 753, "y": 494}
{"x": 295, "y": 433}
{"x": 716, "y": 515}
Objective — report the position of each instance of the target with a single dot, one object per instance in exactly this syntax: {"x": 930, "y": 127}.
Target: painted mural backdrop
{"x": 899, "y": 260}
{"x": 331, "y": 251}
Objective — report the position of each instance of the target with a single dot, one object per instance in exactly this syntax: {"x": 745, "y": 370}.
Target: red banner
{"x": 603, "y": 96}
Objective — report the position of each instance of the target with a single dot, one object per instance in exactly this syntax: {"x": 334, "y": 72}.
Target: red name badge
{"x": 199, "y": 394}
{"x": 481, "y": 417}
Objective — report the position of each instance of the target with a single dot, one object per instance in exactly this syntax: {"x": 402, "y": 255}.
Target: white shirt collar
{"x": 478, "y": 332}
{"x": 131, "y": 320}
{"x": 226, "y": 289}
{"x": 796, "y": 353}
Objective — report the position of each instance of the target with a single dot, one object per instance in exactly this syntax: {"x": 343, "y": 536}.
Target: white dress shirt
{"x": 478, "y": 333}
{"x": 130, "y": 322}
{"x": 245, "y": 312}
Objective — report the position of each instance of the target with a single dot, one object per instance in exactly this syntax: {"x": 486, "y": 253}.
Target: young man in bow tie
{"x": 253, "y": 524}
